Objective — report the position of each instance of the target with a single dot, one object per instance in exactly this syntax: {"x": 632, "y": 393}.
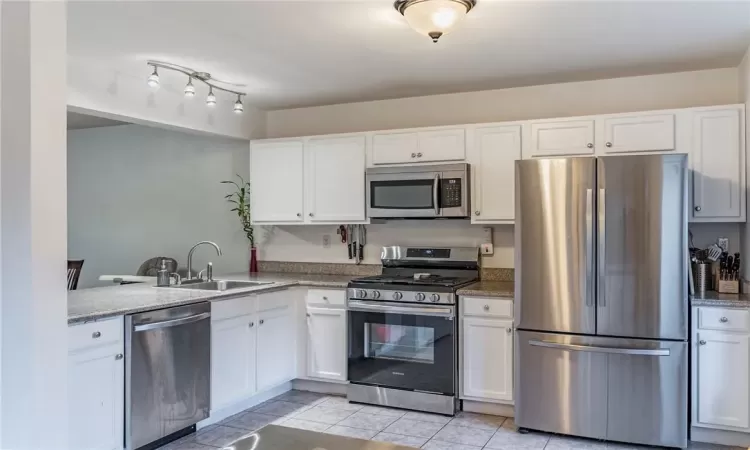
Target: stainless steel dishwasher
{"x": 167, "y": 373}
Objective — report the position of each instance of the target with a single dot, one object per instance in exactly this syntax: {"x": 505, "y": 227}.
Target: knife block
{"x": 728, "y": 286}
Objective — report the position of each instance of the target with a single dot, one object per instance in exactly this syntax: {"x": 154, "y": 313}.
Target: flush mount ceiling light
{"x": 203, "y": 77}
{"x": 434, "y": 18}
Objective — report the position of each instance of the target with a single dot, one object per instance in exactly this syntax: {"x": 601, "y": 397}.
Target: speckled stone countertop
{"x": 87, "y": 305}
{"x": 712, "y": 298}
{"x": 489, "y": 289}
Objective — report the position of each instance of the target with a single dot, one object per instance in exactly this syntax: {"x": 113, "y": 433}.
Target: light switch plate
{"x": 487, "y": 235}
{"x": 326, "y": 241}
{"x": 723, "y": 243}
{"x": 487, "y": 249}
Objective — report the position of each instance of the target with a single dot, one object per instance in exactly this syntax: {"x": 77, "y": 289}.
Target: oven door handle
{"x": 422, "y": 310}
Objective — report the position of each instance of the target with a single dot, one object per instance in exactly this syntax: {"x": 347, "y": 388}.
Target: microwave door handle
{"x": 435, "y": 200}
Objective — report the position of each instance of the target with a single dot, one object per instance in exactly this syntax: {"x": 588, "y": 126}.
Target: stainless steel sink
{"x": 220, "y": 285}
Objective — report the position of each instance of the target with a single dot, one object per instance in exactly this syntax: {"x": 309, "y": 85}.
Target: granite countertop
{"x": 86, "y": 305}
{"x": 489, "y": 289}
{"x": 713, "y": 298}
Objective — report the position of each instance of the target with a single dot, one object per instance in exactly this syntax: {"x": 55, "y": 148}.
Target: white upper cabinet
{"x": 641, "y": 133}
{"x": 431, "y": 145}
{"x": 326, "y": 343}
{"x": 492, "y": 155}
{"x": 394, "y": 148}
{"x": 721, "y": 363}
{"x": 718, "y": 163}
{"x": 335, "y": 175}
{"x": 277, "y": 181}
{"x": 561, "y": 138}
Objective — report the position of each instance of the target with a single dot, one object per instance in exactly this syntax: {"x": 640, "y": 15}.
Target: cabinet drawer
{"x": 275, "y": 300}
{"x": 94, "y": 334}
{"x": 225, "y": 309}
{"x": 488, "y": 307}
{"x": 710, "y": 318}
{"x": 326, "y": 297}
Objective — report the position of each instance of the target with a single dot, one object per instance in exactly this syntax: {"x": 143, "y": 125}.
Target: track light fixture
{"x": 204, "y": 77}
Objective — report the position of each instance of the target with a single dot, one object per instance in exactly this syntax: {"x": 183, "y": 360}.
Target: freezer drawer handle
{"x": 172, "y": 323}
{"x": 599, "y": 349}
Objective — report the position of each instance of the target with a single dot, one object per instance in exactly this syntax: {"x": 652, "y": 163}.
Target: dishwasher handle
{"x": 172, "y": 322}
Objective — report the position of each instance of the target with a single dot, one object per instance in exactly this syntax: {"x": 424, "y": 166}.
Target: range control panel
{"x": 450, "y": 193}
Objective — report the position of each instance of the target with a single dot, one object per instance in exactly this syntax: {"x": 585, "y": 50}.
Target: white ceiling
{"x": 303, "y": 53}
{"x": 78, "y": 121}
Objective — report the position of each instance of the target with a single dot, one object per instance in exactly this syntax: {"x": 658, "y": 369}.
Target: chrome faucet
{"x": 190, "y": 256}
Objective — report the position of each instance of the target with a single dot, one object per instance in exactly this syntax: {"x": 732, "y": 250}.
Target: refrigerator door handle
{"x": 602, "y": 241}
{"x": 589, "y": 281}
{"x": 600, "y": 349}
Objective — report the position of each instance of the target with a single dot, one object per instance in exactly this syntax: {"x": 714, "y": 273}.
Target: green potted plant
{"x": 240, "y": 198}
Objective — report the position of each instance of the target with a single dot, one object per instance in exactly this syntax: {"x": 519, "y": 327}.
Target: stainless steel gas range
{"x": 403, "y": 347}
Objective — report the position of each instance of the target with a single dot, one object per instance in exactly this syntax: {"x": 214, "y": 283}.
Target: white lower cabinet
{"x": 487, "y": 350}
{"x": 96, "y": 389}
{"x": 233, "y": 347}
{"x": 326, "y": 343}
{"x": 276, "y": 344}
{"x": 721, "y": 372}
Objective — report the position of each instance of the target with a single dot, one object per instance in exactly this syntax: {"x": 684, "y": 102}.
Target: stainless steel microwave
{"x": 418, "y": 192}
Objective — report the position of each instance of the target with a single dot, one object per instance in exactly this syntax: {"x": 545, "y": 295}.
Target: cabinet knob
{"x": 419, "y": 155}
{"x": 119, "y": 356}
{"x": 509, "y": 330}
{"x": 311, "y": 214}
{"x": 307, "y": 314}
{"x": 702, "y": 342}
{"x": 261, "y": 321}
{"x": 590, "y": 145}
{"x": 325, "y": 298}
{"x": 697, "y": 208}
{"x": 608, "y": 144}
{"x": 476, "y": 213}
{"x": 251, "y": 324}
{"x": 96, "y": 334}
{"x": 486, "y": 307}
{"x": 299, "y": 214}
{"x": 723, "y": 320}
{"x": 413, "y": 155}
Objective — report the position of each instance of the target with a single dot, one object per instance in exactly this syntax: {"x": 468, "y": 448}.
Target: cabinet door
{"x": 394, "y": 148}
{"x": 96, "y": 389}
{"x": 487, "y": 358}
{"x": 335, "y": 179}
{"x": 276, "y": 343}
{"x": 276, "y": 173}
{"x": 563, "y": 138}
{"x": 493, "y": 155}
{"x": 639, "y": 133}
{"x": 718, "y": 165}
{"x": 442, "y": 145}
{"x": 232, "y": 360}
{"x": 722, "y": 361}
{"x": 326, "y": 343}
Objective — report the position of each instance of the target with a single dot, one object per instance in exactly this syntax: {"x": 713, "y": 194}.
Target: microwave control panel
{"x": 450, "y": 192}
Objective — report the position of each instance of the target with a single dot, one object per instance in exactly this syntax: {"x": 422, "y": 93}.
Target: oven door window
{"x": 402, "y": 194}
{"x": 402, "y": 351}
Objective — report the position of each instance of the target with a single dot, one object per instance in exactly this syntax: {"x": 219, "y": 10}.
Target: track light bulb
{"x": 238, "y": 108}
{"x": 153, "y": 80}
{"x": 190, "y": 89}
{"x": 211, "y": 99}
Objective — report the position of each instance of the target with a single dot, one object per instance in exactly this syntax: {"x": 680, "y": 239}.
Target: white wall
{"x": 122, "y": 93}
{"x": 675, "y": 90}
{"x": 743, "y": 84}
{"x": 305, "y": 243}
{"x": 137, "y": 192}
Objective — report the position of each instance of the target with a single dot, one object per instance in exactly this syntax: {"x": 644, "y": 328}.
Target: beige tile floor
{"x": 329, "y": 414}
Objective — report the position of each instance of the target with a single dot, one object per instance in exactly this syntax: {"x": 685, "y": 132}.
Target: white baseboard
{"x": 258, "y": 398}
{"x": 723, "y": 437}
{"x": 495, "y": 409}
{"x": 322, "y": 387}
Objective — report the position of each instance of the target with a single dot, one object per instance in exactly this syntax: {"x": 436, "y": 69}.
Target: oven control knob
{"x": 420, "y": 297}
{"x": 375, "y": 294}
{"x": 434, "y": 298}
{"x": 397, "y": 295}
{"x": 362, "y": 293}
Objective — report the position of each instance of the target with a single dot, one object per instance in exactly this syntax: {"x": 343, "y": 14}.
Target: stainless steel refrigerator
{"x": 601, "y": 306}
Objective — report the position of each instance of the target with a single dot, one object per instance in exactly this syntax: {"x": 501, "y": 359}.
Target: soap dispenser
{"x": 162, "y": 276}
